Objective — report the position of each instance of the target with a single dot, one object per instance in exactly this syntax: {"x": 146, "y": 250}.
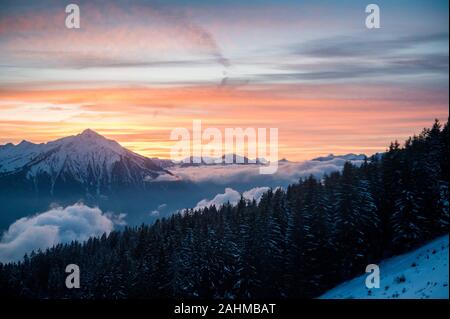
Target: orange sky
{"x": 312, "y": 121}
{"x": 136, "y": 70}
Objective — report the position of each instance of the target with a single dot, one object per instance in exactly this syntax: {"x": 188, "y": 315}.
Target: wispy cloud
{"x": 111, "y": 35}
{"x": 137, "y": 69}
{"x": 382, "y": 57}
{"x": 366, "y": 45}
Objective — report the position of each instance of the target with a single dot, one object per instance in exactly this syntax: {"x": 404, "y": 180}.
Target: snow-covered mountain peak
{"x": 90, "y": 133}
{"x": 88, "y": 158}
{"x": 90, "y": 136}
{"x": 89, "y": 141}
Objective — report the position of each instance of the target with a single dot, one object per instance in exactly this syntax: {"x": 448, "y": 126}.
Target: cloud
{"x": 111, "y": 34}
{"x": 162, "y": 206}
{"x": 287, "y": 173}
{"x": 383, "y": 56}
{"x": 238, "y": 175}
{"x": 118, "y": 220}
{"x": 381, "y": 67}
{"x": 255, "y": 193}
{"x": 161, "y": 178}
{"x": 232, "y": 197}
{"x": 58, "y": 225}
{"x": 360, "y": 46}
{"x": 154, "y": 213}
{"x": 157, "y": 212}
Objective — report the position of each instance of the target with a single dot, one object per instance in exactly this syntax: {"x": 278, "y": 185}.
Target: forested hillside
{"x": 294, "y": 243}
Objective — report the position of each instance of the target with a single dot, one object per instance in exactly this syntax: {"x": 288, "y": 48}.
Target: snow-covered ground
{"x": 420, "y": 274}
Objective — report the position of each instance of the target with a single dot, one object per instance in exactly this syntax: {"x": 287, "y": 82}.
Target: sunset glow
{"x": 135, "y": 73}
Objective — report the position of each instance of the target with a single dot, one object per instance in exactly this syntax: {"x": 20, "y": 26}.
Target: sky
{"x": 136, "y": 70}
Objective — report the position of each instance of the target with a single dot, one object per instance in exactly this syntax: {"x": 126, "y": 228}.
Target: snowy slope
{"x": 87, "y": 158}
{"x": 420, "y": 274}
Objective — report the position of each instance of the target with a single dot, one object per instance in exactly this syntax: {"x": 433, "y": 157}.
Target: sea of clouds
{"x": 287, "y": 173}
{"x": 57, "y": 225}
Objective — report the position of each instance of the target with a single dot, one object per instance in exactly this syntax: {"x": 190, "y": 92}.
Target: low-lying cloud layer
{"x": 58, "y": 225}
{"x": 288, "y": 172}
{"x": 238, "y": 176}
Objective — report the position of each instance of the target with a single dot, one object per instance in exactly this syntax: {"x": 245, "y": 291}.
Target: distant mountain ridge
{"x": 88, "y": 161}
{"x": 347, "y": 157}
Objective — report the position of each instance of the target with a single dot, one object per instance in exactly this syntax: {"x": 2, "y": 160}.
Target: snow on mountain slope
{"x": 86, "y": 158}
{"x": 420, "y": 274}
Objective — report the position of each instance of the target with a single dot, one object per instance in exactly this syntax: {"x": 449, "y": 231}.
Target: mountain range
{"x": 347, "y": 157}
{"x": 89, "y": 163}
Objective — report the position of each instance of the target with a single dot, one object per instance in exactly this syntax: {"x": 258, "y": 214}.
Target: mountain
{"x": 87, "y": 161}
{"x": 420, "y": 274}
{"x": 347, "y": 157}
